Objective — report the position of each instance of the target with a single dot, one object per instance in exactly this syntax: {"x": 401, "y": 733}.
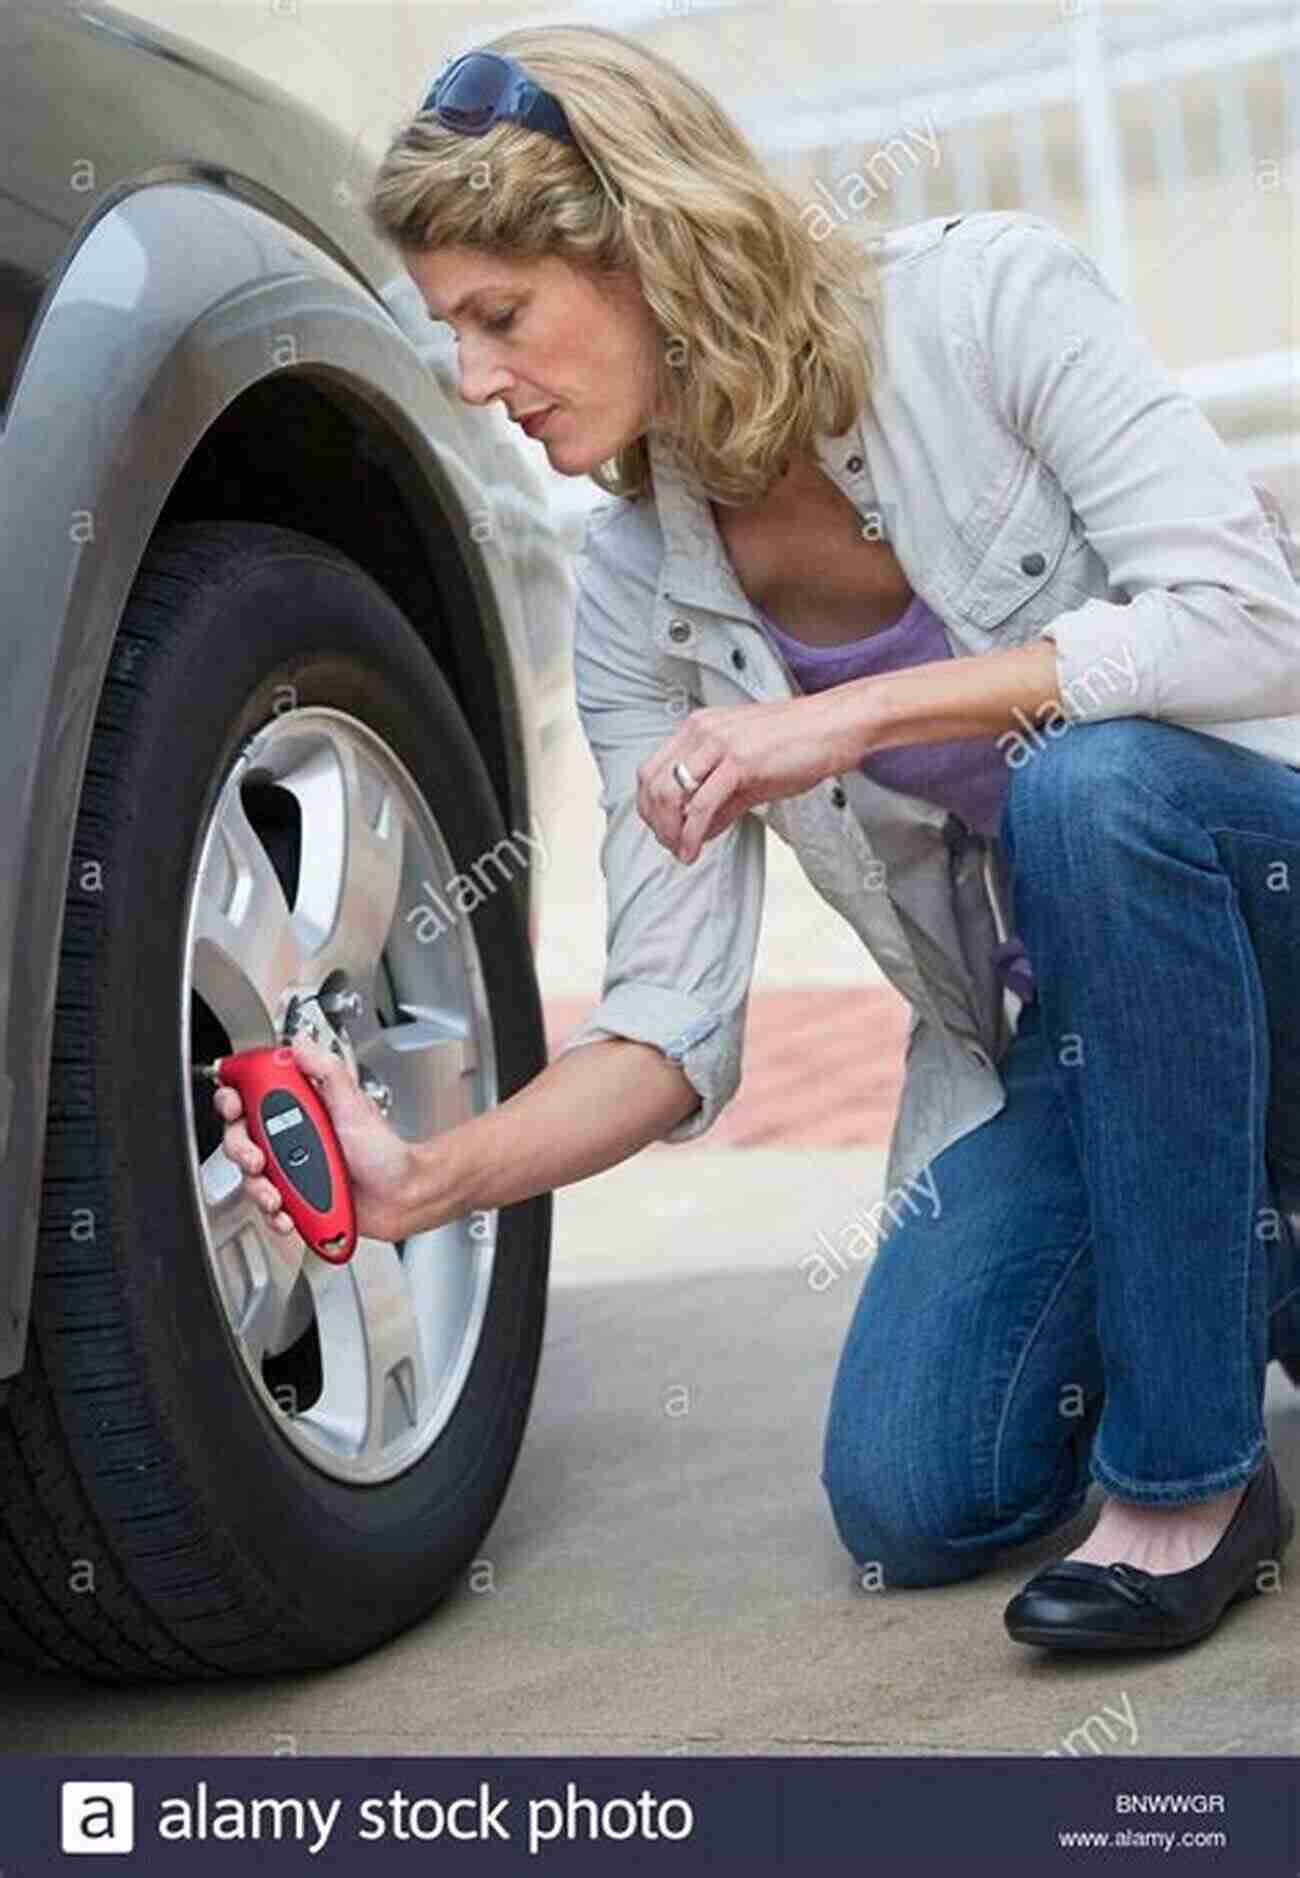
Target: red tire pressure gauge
{"x": 291, "y": 1125}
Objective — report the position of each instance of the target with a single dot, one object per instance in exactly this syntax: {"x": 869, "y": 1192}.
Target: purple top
{"x": 967, "y": 775}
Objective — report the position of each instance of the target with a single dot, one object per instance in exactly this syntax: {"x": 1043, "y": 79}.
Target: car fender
{"x": 177, "y": 297}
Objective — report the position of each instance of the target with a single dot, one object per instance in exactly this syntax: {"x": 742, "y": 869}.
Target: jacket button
{"x": 679, "y": 630}
{"x": 1032, "y": 563}
{"x": 838, "y": 796}
{"x": 853, "y": 465}
{"x": 738, "y": 659}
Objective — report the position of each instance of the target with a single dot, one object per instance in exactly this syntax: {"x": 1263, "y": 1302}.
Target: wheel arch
{"x": 199, "y": 358}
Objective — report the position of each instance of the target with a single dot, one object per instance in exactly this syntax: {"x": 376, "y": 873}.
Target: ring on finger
{"x": 683, "y": 778}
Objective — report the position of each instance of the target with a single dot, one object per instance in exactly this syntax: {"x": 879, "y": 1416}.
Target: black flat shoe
{"x": 1074, "y": 1605}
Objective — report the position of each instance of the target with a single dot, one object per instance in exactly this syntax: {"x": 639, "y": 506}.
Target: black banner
{"x": 1010, "y": 1815}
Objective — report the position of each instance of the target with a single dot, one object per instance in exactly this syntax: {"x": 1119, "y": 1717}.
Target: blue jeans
{"x": 1108, "y": 1272}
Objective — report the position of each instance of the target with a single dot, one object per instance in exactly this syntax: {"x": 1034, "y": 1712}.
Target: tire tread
{"x": 47, "y": 1525}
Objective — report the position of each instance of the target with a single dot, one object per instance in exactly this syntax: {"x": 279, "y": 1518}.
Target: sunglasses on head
{"x": 480, "y": 89}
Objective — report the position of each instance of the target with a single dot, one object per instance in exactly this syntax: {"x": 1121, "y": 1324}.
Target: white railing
{"x": 1254, "y": 404}
{"x": 990, "y": 107}
{"x": 1089, "y": 60}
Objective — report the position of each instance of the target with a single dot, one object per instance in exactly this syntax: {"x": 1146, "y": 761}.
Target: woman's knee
{"x": 893, "y": 1546}
{"x": 889, "y": 1551}
{"x": 926, "y": 1484}
{"x": 900, "y": 1502}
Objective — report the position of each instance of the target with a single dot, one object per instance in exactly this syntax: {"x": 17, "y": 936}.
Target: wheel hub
{"x": 306, "y": 931}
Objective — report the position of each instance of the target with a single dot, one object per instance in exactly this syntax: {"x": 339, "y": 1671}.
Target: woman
{"x": 842, "y": 469}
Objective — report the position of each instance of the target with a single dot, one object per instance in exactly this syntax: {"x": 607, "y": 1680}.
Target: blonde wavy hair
{"x": 762, "y": 338}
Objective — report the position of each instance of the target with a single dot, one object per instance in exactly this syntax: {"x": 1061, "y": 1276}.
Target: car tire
{"x": 156, "y": 1523}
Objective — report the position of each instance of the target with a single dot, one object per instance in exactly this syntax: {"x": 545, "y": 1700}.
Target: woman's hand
{"x": 746, "y": 754}
{"x": 378, "y": 1161}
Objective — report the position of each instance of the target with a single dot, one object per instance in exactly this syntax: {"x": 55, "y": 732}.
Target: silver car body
{"x": 177, "y": 237}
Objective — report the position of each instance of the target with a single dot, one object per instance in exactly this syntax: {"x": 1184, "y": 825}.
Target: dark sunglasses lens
{"x": 471, "y": 97}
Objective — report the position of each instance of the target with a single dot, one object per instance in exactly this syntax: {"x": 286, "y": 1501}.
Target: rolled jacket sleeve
{"x": 680, "y": 938}
{"x": 1210, "y": 631}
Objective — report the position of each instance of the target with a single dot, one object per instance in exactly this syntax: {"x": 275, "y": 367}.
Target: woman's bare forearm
{"x": 999, "y": 692}
{"x": 588, "y": 1110}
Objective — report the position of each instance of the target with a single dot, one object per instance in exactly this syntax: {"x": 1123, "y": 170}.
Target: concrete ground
{"x": 664, "y": 1576}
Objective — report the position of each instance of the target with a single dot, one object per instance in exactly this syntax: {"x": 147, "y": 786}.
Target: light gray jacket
{"x": 1038, "y": 473}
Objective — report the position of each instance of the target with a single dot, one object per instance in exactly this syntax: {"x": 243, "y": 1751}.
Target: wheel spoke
{"x": 351, "y": 869}
{"x": 375, "y": 1372}
{"x": 429, "y": 1065}
{"x": 259, "y": 1268}
{"x": 245, "y": 948}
